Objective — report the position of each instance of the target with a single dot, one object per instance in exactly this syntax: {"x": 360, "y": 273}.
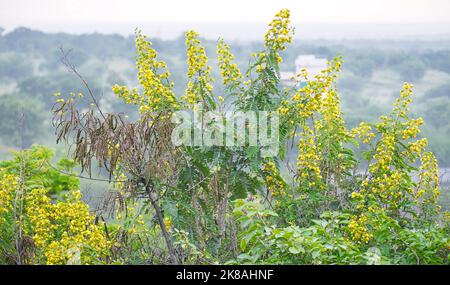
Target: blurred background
{"x": 384, "y": 43}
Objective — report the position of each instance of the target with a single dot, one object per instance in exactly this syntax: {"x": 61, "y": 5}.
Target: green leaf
{"x": 243, "y": 244}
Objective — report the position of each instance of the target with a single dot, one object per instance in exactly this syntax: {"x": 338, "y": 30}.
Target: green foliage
{"x": 35, "y": 164}
{"x": 14, "y": 66}
{"x": 328, "y": 241}
{"x": 41, "y": 216}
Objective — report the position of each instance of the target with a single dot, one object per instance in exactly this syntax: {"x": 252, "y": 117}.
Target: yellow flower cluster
{"x": 412, "y": 128}
{"x": 327, "y": 77}
{"x": 64, "y": 229}
{"x": 154, "y": 78}
{"x": 415, "y": 149}
{"x": 275, "y": 185}
{"x": 385, "y": 182}
{"x": 284, "y": 107}
{"x": 128, "y": 96}
{"x": 199, "y": 72}
{"x": 229, "y": 71}
{"x": 358, "y": 230}
{"x": 357, "y": 196}
{"x": 389, "y": 185}
{"x": 383, "y": 154}
{"x": 401, "y": 104}
{"x": 322, "y": 139}
{"x": 168, "y": 223}
{"x": 330, "y": 126}
{"x": 306, "y": 102}
{"x": 330, "y": 107}
{"x": 308, "y": 159}
{"x": 279, "y": 33}
{"x": 8, "y": 186}
{"x": 196, "y": 55}
{"x": 363, "y": 132}
{"x": 428, "y": 178}
{"x": 310, "y": 98}
{"x": 191, "y": 96}
{"x": 386, "y": 189}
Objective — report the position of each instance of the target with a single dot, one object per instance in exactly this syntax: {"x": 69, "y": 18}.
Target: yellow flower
{"x": 153, "y": 76}
{"x": 308, "y": 159}
{"x": 428, "y": 179}
{"x": 229, "y": 71}
{"x": 358, "y": 230}
{"x": 8, "y": 186}
{"x": 279, "y": 33}
{"x": 364, "y": 132}
{"x": 58, "y": 228}
{"x": 168, "y": 222}
{"x": 199, "y": 73}
{"x": 274, "y": 182}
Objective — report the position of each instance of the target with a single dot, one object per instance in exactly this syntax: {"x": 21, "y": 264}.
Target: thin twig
{"x": 83, "y": 177}
{"x": 73, "y": 69}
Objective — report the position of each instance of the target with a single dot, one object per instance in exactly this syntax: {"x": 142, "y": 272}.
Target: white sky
{"x": 64, "y": 15}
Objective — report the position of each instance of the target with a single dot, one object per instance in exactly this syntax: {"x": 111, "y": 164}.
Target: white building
{"x": 310, "y": 62}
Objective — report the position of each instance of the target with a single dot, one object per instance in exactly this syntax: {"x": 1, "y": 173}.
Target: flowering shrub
{"x": 40, "y": 223}
{"x": 330, "y": 239}
{"x": 64, "y": 231}
{"x": 361, "y": 196}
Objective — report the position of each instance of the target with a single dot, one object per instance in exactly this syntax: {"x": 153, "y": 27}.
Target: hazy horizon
{"x": 235, "y": 20}
{"x": 254, "y": 31}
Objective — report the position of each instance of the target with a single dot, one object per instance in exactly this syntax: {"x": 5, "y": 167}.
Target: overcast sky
{"x": 105, "y": 15}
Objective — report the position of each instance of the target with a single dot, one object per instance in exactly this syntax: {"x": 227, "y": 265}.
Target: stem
{"x": 173, "y": 256}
